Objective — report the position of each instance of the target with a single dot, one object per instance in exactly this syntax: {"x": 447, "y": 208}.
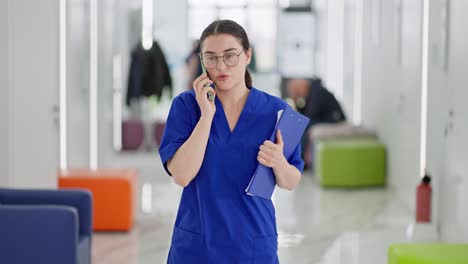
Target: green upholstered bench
{"x": 349, "y": 162}
{"x": 428, "y": 254}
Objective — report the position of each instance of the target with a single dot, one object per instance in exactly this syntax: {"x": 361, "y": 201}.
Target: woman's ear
{"x": 248, "y": 53}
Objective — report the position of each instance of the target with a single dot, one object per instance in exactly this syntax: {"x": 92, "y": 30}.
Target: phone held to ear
{"x": 210, "y": 94}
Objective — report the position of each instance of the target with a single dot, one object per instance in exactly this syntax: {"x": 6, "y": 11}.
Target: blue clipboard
{"x": 292, "y": 125}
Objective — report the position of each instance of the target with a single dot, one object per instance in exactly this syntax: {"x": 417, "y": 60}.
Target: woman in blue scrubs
{"x": 211, "y": 148}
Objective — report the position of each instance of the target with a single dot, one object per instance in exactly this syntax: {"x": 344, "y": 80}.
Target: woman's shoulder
{"x": 185, "y": 104}
{"x": 187, "y": 101}
{"x": 266, "y": 99}
{"x": 187, "y": 98}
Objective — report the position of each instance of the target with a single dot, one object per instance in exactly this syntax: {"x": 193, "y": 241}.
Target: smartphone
{"x": 210, "y": 94}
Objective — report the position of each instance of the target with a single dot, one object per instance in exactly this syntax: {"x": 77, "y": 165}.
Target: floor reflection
{"x": 314, "y": 225}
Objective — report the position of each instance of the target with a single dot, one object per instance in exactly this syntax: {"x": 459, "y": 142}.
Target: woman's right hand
{"x": 201, "y": 87}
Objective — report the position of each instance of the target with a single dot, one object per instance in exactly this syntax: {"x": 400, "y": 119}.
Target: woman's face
{"x": 298, "y": 88}
{"x": 224, "y": 76}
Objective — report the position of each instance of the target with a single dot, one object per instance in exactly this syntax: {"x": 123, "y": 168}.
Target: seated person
{"x": 313, "y": 100}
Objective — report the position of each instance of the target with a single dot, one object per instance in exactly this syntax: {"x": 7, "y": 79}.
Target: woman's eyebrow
{"x": 226, "y": 50}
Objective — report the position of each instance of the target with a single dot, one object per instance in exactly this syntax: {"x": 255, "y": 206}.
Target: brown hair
{"x": 232, "y": 28}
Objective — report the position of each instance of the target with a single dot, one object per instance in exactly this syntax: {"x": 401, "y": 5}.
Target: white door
{"x": 34, "y": 80}
{"x": 4, "y": 165}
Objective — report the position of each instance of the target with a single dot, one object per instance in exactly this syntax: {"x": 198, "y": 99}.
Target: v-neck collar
{"x": 223, "y": 118}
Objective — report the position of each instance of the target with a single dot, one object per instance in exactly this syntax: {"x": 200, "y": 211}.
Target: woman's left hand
{"x": 271, "y": 154}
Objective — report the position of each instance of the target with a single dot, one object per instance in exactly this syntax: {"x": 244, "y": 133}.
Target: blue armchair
{"x": 45, "y": 226}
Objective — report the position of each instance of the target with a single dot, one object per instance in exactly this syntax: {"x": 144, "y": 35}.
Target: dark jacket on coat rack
{"x": 149, "y": 73}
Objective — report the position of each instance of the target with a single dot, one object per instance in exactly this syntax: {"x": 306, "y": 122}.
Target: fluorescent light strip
{"x": 424, "y": 80}
{"x": 63, "y": 86}
{"x": 147, "y": 24}
{"x": 117, "y": 102}
{"x": 147, "y": 198}
{"x": 93, "y": 78}
{"x": 359, "y": 23}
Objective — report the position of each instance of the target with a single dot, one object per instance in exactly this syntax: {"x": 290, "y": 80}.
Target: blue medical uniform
{"x": 217, "y": 221}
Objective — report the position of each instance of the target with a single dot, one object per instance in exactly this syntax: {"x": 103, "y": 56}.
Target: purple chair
{"x": 158, "y": 131}
{"x": 133, "y": 134}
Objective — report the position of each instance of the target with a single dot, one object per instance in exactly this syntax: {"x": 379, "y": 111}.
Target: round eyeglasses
{"x": 231, "y": 59}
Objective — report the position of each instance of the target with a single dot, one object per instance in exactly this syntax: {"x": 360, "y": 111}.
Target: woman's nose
{"x": 221, "y": 64}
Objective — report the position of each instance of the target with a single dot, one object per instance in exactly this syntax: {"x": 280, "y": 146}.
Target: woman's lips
{"x": 222, "y": 77}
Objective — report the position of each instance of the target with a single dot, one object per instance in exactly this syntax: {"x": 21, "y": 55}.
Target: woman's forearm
{"x": 287, "y": 176}
{"x": 187, "y": 161}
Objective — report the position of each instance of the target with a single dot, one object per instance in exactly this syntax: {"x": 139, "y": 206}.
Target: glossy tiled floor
{"x": 330, "y": 226}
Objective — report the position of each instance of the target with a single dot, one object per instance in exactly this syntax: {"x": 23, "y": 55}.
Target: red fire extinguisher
{"x": 423, "y": 200}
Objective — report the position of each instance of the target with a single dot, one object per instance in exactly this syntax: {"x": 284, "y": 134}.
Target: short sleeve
{"x": 179, "y": 127}
{"x": 296, "y": 159}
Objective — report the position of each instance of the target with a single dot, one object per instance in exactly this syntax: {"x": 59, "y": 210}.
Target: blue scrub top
{"x": 217, "y": 221}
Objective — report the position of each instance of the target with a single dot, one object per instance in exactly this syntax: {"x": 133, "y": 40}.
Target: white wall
{"x": 454, "y": 206}
{"x": 446, "y": 136}
{"x": 437, "y": 108}
{"x": 4, "y": 93}
{"x": 391, "y": 91}
{"x": 34, "y": 78}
